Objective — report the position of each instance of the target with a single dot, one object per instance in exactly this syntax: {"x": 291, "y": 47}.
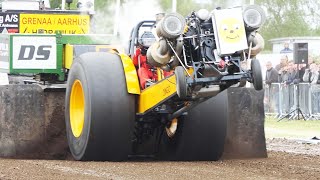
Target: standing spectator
{"x": 318, "y": 82}
{"x": 281, "y": 68}
{"x": 293, "y": 74}
{"x": 283, "y": 74}
{"x": 283, "y": 78}
{"x": 283, "y": 62}
{"x": 310, "y": 61}
{"x": 293, "y": 78}
{"x": 271, "y": 74}
{"x": 289, "y": 74}
{"x": 271, "y": 77}
{"x": 302, "y": 69}
{"x": 311, "y": 74}
{"x": 286, "y": 49}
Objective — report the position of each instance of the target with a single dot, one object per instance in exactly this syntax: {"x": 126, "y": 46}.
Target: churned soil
{"x": 287, "y": 159}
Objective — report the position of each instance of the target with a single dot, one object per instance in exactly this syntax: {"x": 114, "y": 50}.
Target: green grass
{"x": 291, "y": 128}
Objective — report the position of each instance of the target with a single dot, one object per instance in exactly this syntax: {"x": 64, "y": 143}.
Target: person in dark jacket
{"x": 271, "y": 74}
{"x": 302, "y": 70}
{"x": 283, "y": 62}
{"x": 271, "y": 77}
{"x": 293, "y": 74}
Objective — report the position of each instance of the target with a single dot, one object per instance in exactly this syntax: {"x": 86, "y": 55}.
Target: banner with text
{"x": 9, "y": 23}
{"x": 49, "y": 23}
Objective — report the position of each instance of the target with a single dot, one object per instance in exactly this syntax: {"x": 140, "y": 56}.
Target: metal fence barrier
{"x": 284, "y": 100}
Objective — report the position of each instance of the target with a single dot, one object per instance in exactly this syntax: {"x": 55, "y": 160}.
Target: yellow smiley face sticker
{"x": 231, "y": 30}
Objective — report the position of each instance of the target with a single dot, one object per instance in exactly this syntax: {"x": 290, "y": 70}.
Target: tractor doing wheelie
{"x": 161, "y": 91}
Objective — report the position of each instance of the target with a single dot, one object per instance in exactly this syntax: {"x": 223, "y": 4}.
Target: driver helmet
{"x": 146, "y": 39}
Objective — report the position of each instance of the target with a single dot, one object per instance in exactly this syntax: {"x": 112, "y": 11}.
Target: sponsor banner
{"x": 9, "y": 23}
{"x": 49, "y": 23}
{"x": 33, "y": 52}
{"x": 4, "y": 53}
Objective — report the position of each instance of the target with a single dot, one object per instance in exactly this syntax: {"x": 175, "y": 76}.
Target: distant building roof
{"x": 292, "y": 39}
{"x": 313, "y": 43}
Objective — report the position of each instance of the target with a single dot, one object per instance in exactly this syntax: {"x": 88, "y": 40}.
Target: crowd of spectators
{"x": 288, "y": 72}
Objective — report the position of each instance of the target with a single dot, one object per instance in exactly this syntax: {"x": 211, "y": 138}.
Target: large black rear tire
{"x": 108, "y": 110}
{"x": 200, "y": 135}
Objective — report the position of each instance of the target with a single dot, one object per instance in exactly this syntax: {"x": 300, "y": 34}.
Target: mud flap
{"x": 32, "y": 122}
{"x": 245, "y": 127}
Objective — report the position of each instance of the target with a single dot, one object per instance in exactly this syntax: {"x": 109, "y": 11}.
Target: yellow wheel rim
{"x": 77, "y": 103}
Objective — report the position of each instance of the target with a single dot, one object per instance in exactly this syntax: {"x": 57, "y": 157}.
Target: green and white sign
{"x": 31, "y": 52}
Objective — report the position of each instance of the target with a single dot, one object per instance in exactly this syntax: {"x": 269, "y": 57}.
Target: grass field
{"x": 291, "y": 128}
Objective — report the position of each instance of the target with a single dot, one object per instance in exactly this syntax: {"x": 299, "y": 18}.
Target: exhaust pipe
{"x": 158, "y": 54}
{"x": 178, "y": 49}
{"x": 171, "y": 26}
{"x": 257, "y": 43}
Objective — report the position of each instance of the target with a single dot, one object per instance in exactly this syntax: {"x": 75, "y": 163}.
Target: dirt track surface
{"x": 302, "y": 162}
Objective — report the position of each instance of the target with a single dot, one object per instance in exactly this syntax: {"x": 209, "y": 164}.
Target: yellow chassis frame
{"x": 147, "y": 98}
{"x": 153, "y": 95}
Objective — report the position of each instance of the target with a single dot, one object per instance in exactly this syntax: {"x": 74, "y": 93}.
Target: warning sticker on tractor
{"x": 50, "y": 23}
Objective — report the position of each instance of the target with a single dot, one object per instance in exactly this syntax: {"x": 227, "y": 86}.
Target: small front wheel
{"x": 256, "y": 75}
{"x": 181, "y": 82}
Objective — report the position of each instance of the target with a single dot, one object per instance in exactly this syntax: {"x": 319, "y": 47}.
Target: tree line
{"x": 284, "y": 18}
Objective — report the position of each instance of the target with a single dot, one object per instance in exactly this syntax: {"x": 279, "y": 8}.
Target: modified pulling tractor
{"x": 164, "y": 97}
{"x": 116, "y": 103}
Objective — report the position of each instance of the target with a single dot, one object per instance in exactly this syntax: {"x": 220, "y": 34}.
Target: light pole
{"x": 174, "y": 5}
{"x": 63, "y": 4}
{"x": 117, "y": 17}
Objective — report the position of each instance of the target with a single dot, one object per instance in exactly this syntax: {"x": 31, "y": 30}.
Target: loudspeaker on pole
{"x": 300, "y": 53}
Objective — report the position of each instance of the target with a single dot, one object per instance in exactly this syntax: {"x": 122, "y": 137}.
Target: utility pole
{"x": 63, "y": 4}
{"x": 116, "y": 19}
{"x": 174, "y": 5}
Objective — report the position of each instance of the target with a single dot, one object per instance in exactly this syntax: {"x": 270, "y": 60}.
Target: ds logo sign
{"x": 34, "y": 52}
{"x": 29, "y": 52}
